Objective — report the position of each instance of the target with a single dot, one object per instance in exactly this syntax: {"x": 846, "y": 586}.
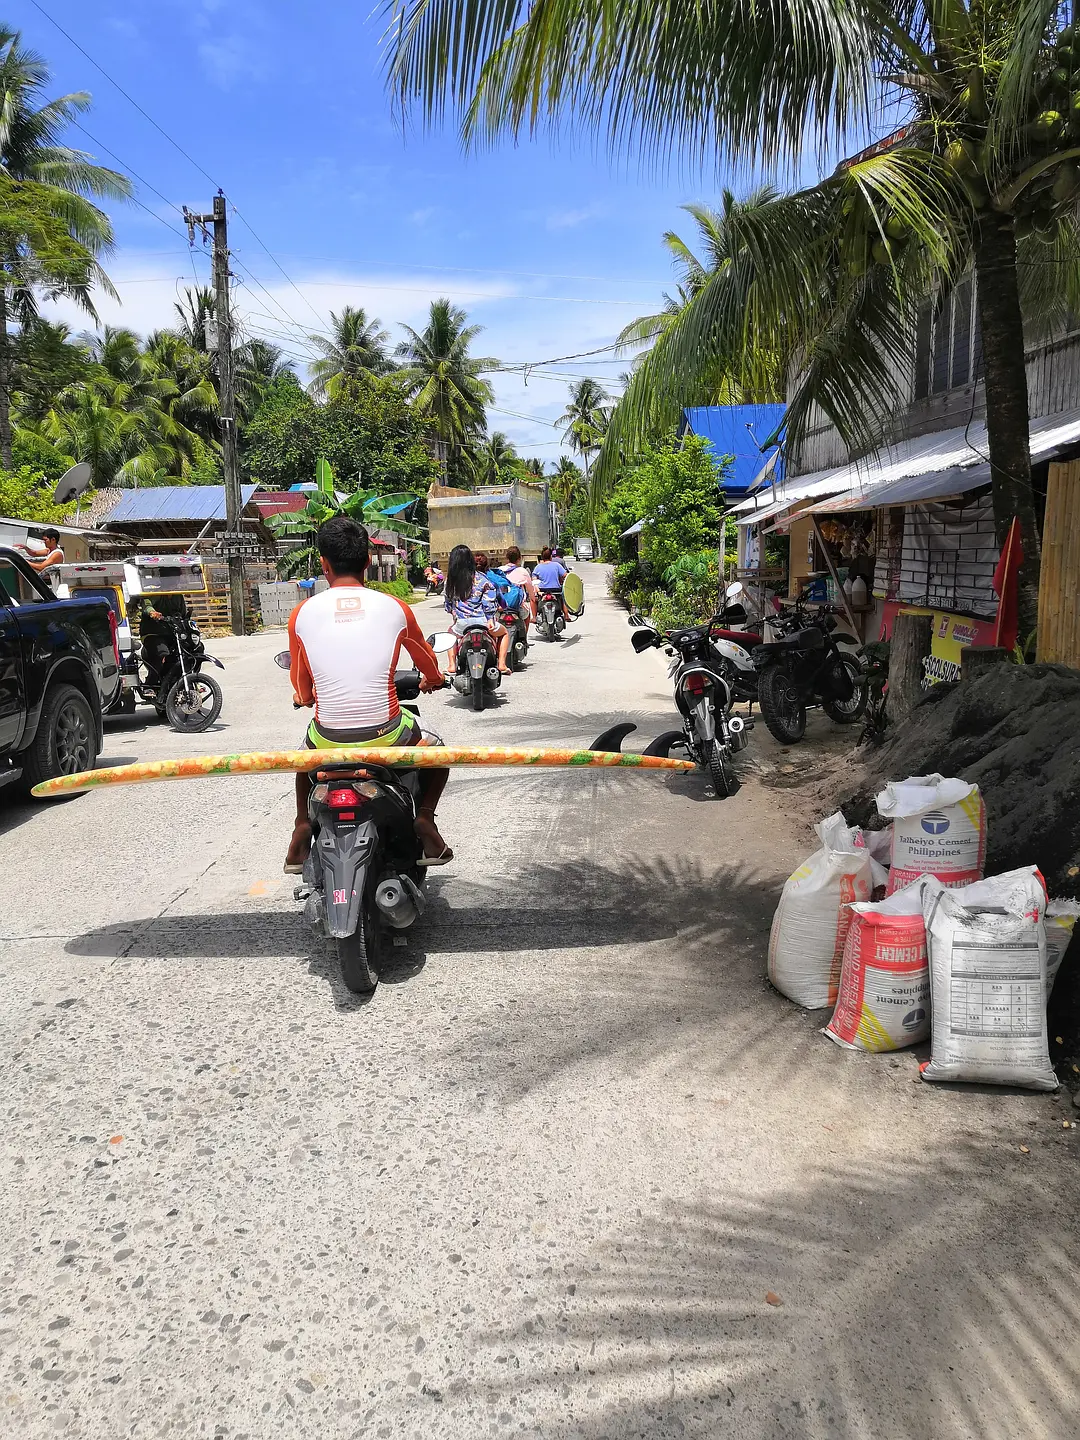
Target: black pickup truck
{"x": 59, "y": 669}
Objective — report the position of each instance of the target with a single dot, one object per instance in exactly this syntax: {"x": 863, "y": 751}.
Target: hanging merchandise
{"x": 987, "y": 948}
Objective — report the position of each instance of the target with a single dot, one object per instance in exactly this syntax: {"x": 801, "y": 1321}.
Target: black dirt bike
{"x": 710, "y": 733}
{"x": 176, "y": 688}
{"x": 806, "y": 666}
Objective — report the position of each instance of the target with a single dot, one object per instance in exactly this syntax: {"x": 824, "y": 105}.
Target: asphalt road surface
{"x": 553, "y": 1178}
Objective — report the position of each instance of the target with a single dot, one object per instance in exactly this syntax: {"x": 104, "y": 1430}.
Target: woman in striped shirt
{"x": 471, "y": 596}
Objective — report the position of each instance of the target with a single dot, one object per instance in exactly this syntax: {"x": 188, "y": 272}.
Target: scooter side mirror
{"x": 283, "y": 658}
{"x": 442, "y": 644}
{"x": 735, "y": 588}
{"x": 634, "y": 618}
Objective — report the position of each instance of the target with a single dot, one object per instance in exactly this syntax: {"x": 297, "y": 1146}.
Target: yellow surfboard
{"x": 422, "y": 757}
{"x": 574, "y": 593}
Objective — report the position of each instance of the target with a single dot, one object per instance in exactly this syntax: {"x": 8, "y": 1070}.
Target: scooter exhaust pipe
{"x": 399, "y": 900}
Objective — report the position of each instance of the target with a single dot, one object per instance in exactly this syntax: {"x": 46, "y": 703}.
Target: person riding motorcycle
{"x": 516, "y": 573}
{"x": 157, "y": 633}
{"x": 470, "y": 596}
{"x": 344, "y": 645}
{"x": 548, "y": 577}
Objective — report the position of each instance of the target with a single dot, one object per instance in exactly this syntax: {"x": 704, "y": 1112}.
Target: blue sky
{"x": 284, "y": 106}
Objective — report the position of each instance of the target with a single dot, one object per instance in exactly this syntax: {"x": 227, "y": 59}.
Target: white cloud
{"x": 571, "y": 219}
{"x": 233, "y": 58}
{"x": 518, "y": 327}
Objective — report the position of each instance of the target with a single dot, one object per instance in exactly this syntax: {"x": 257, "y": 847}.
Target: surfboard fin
{"x": 662, "y": 744}
{"x": 612, "y": 738}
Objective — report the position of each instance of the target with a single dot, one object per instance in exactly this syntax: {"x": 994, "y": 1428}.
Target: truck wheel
{"x": 65, "y": 742}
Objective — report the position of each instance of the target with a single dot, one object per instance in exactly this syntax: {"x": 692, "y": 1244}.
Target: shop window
{"x": 948, "y": 342}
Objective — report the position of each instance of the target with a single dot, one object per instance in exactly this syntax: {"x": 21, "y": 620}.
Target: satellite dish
{"x": 72, "y": 483}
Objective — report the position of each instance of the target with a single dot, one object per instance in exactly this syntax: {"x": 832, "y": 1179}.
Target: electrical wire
{"x": 130, "y": 98}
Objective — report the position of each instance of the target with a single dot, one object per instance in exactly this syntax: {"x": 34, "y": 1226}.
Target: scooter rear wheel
{"x": 358, "y": 954}
{"x": 478, "y": 694}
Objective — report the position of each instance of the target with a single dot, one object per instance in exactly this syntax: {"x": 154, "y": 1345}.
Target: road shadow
{"x": 919, "y": 1297}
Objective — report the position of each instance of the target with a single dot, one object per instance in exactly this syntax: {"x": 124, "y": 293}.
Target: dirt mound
{"x": 1015, "y": 731}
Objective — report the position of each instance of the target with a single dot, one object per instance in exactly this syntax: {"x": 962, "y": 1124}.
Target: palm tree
{"x": 585, "y": 418}
{"x": 62, "y": 179}
{"x": 498, "y": 460}
{"x": 986, "y": 154}
{"x": 564, "y": 483}
{"x": 444, "y": 382}
{"x": 355, "y": 346}
{"x": 534, "y": 466}
{"x": 195, "y": 314}
{"x": 257, "y": 364}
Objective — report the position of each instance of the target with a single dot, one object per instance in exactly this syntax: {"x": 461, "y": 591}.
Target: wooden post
{"x": 908, "y": 649}
{"x": 976, "y": 659}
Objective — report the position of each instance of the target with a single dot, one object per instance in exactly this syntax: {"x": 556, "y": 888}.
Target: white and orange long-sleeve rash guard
{"x": 345, "y": 644}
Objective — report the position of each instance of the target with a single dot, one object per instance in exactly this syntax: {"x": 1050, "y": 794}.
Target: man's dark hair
{"x": 513, "y": 555}
{"x": 345, "y": 546}
{"x": 53, "y": 535}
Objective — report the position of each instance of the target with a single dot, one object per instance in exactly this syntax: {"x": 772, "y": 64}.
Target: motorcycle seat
{"x": 809, "y": 639}
{"x": 746, "y": 638}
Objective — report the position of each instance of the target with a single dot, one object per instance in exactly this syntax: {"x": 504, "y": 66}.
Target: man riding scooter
{"x": 344, "y": 645}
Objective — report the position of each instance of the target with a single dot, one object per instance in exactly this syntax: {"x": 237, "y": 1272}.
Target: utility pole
{"x": 226, "y": 404}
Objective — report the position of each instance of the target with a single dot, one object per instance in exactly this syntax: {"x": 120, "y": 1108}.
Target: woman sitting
{"x": 471, "y": 597}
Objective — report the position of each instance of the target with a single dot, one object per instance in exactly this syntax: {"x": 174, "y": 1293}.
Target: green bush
{"x": 625, "y": 578}
{"x": 401, "y": 588}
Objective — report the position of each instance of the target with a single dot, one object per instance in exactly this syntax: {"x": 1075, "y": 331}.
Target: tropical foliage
{"x": 51, "y": 232}
{"x": 355, "y": 346}
{"x": 368, "y": 506}
{"x": 445, "y": 384}
{"x": 585, "y": 418}
{"x": 25, "y": 495}
{"x": 981, "y": 174}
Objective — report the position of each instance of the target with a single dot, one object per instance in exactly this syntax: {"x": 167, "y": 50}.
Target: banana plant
{"x": 370, "y": 507}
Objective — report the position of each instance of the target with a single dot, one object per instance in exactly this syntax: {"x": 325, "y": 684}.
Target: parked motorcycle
{"x": 550, "y": 617}
{"x": 734, "y": 648}
{"x": 711, "y": 734}
{"x": 806, "y": 667}
{"x": 177, "y": 689}
{"x": 519, "y": 638}
{"x": 362, "y": 879}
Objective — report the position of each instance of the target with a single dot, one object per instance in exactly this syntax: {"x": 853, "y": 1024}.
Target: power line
{"x": 116, "y": 84}
{"x": 279, "y": 265}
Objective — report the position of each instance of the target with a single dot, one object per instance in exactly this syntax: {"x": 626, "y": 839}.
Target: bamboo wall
{"x": 1059, "y": 588}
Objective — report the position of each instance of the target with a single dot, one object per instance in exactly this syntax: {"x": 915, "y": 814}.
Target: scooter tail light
{"x": 696, "y": 685}
{"x": 341, "y": 799}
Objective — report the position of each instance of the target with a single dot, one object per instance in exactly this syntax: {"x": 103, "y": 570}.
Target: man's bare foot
{"x": 505, "y": 670}
{"x": 436, "y": 850}
{"x": 299, "y": 848}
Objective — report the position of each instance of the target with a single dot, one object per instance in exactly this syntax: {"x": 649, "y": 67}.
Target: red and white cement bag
{"x": 811, "y": 920}
{"x": 884, "y": 997}
{"x": 938, "y": 828}
{"x": 987, "y": 949}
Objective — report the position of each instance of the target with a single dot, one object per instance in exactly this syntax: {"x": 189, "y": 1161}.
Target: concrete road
{"x": 552, "y": 1179}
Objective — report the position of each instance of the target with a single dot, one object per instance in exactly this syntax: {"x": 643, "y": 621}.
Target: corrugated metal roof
{"x": 929, "y": 467}
{"x": 736, "y": 430}
{"x": 174, "y": 502}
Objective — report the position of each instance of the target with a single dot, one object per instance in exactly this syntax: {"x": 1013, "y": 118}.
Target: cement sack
{"x": 884, "y": 997}
{"x": 938, "y": 828}
{"x": 987, "y": 948}
{"x": 811, "y": 920}
{"x": 1061, "y": 918}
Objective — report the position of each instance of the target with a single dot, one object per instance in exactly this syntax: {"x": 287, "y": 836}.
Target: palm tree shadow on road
{"x": 929, "y": 1297}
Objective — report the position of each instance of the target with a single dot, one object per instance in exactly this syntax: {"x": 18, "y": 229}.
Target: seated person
{"x": 344, "y": 644}
{"x": 549, "y": 576}
{"x": 470, "y": 596}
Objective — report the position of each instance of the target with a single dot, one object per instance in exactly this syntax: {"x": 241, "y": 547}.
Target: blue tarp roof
{"x": 174, "y": 502}
{"x": 725, "y": 427}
